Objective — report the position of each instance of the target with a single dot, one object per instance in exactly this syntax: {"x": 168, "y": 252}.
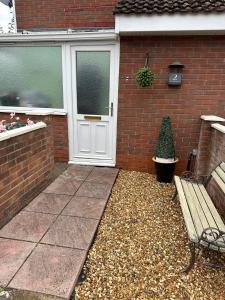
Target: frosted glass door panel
{"x": 31, "y": 77}
{"x": 93, "y": 76}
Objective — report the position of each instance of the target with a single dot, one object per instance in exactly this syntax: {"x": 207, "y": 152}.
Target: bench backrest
{"x": 219, "y": 176}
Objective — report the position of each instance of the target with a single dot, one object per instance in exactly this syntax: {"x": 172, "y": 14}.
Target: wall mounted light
{"x": 175, "y": 73}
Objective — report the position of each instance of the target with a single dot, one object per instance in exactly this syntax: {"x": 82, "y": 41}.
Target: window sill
{"x": 34, "y": 111}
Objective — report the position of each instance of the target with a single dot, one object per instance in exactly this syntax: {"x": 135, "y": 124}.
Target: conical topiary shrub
{"x": 165, "y": 158}
{"x": 165, "y": 145}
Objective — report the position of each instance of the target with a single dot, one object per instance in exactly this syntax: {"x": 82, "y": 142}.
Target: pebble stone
{"x": 141, "y": 247}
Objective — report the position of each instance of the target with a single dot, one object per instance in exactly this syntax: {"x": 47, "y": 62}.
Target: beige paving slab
{"x": 94, "y": 189}
{"x": 80, "y": 167}
{"x": 50, "y": 270}
{"x": 12, "y": 255}
{"x": 78, "y": 172}
{"x": 105, "y": 171}
{"x": 65, "y": 218}
{"x": 63, "y": 185}
{"x": 71, "y": 232}
{"x": 85, "y": 207}
{"x": 27, "y": 226}
{"x": 103, "y": 175}
{"x": 48, "y": 203}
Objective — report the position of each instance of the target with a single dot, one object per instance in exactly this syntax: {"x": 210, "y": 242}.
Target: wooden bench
{"x": 203, "y": 222}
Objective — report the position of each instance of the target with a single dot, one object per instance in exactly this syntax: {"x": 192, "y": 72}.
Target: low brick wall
{"x": 204, "y": 144}
{"x": 26, "y": 165}
{"x": 60, "y": 132}
{"x": 211, "y": 151}
{"x": 217, "y": 154}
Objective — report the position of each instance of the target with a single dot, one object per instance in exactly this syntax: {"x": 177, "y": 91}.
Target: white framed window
{"x": 35, "y": 68}
{"x": 7, "y": 16}
{"x": 31, "y": 77}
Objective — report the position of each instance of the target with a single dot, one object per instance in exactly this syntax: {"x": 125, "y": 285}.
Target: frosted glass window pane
{"x": 93, "y": 75}
{"x": 31, "y": 77}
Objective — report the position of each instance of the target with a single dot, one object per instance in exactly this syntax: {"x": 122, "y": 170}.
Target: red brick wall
{"x": 141, "y": 109}
{"x": 216, "y": 154}
{"x": 60, "y": 134}
{"x": 202, "y": 161}
{"x": 216, "y": 149}
{"x": 59, "y": 129}
{"x": 64, "y": 14}
{"x": 204, "y": 157}
{"x": 26, "y": 163}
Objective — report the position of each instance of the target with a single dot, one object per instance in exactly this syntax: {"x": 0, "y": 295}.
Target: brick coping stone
{"x": 218, "y": 127}
{"x": 212, "y": 118}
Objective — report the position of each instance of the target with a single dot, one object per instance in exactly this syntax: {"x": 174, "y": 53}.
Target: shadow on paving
{"x": 26, "y": 295}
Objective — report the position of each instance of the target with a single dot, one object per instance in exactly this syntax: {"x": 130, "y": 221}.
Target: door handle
{"x": 111, "y": 108}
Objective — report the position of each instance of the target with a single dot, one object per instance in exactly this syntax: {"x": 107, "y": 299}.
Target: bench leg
{"x": 192, "y": 258}
{"x": 174, "y": 196}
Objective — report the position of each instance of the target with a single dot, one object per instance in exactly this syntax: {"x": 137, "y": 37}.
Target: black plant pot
{"x": 165, "y": 171}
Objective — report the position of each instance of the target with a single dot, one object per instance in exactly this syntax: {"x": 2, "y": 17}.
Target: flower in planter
{"x": 29, "y": 122}
{"x": 2, "y": 126}
{"x": 12, "y": 115}
{"x": 14, "y": 123}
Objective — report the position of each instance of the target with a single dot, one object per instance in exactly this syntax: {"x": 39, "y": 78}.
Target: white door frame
{"x": 68, "y": 92}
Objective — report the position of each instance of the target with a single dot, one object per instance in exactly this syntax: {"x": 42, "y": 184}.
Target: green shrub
{"x": 165, "y": 145}
{"x": 145, "y": 77}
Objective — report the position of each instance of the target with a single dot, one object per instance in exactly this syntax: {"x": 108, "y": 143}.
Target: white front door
{"x": 94, "y": 105}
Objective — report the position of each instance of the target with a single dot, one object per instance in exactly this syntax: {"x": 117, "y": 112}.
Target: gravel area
{"x": 141, "y": 246}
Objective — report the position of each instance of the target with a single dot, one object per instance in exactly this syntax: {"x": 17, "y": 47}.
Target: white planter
{"x": 165, "y": 160}
{"x": 18, "y": 131}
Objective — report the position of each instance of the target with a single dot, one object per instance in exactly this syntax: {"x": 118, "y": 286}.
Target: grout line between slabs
{"x": 66, "y": 247}
{"x": 79, "y": 217}
{"x": 36, "y": 244}
{"x": 37, "y": 212}
{"x": 82, "y": 182}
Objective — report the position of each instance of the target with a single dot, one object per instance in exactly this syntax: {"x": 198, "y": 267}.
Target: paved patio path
{"x": 43, "y": 248}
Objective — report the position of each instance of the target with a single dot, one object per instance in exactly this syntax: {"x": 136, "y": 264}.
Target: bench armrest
{"x": 190, "y": 176}
{"x": 213, "y": 236}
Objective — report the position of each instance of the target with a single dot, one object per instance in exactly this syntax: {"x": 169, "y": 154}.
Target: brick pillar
{"x": 217, "y": 154}
{"x": 203, "y": 156}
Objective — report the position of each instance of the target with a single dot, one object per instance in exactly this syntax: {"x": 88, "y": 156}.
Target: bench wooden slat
{"x": 200, "y": 212}
{"x": 198, "y": 207}
{"x": 208, "y": 216}
{"x": 222, "y": 166}
{"x": 204, "y": 206}
{"x": 221, "y": 173}
{"x": 218, "y": 220}
{"x": 218, "y": 180}
{"x": 192, "y": 208}
{"x": 186, "y": 213}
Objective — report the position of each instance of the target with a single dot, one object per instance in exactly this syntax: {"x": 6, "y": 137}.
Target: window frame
{"x": 54, "y": 111}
